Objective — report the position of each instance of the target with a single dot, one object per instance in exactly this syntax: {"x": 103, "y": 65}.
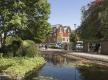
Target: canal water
{"x": 62, "y": 68}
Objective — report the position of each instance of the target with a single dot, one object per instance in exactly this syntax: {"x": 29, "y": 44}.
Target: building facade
{"x": 60, "y": 34}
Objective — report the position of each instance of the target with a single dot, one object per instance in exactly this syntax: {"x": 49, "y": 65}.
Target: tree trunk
{"x": 4, "y": 39}
{"x": 0, "y": 40}
{"x": 4, "y": 49}
{"x": 86, "y": 47}
{"x": 14, "y": 53}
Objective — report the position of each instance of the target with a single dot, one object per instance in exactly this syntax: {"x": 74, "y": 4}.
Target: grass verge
{"x": 18, "y": 67}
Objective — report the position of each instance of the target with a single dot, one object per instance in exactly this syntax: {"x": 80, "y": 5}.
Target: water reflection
{"x": 56, "y": 59}
{"x": 61, "y": 68}
{"x": 93, "y": 72}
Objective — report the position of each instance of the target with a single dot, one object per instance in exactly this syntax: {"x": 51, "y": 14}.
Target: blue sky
{"x": 66, "y": 12}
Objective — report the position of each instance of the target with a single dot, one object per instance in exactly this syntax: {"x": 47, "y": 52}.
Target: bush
{"x": 16, "y": 47}
{"x": 11, "y": 46}
{"x": 28, "y": 48}
{"x": 10, "y": 40}
{"x": 53, "y": 46}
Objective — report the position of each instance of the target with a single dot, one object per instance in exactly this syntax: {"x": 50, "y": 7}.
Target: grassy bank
{"x": 18, "y": 67}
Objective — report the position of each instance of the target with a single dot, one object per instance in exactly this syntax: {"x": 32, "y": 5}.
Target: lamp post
{"x": 76, "y": 40}
{"x": 75, "y": 31}
{"x": 75, "y": 26}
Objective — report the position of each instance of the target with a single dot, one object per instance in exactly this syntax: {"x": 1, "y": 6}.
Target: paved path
{"x": 42, "y": 49}
{"x": 98, "y": 57}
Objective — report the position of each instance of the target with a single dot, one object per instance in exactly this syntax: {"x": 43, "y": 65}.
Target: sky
{"x": 66, "y": 12}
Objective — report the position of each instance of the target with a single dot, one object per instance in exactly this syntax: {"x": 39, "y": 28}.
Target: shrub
{"x": 11, "y": 46}
{"x": 10, "y": 40}
{"x": 28, "y": 48}
{"x": 53, "y": 46}
{"x": 17, "y": 47}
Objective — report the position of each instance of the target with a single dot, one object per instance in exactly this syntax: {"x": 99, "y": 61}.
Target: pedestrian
{"x": 65, "y": 47}
{"x": 46, "y": 46}
{"x": 97, "y": 46}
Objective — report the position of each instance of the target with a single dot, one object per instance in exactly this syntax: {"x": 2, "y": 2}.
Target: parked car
{"x": 59, "y": 45}
{"x": 79, "y": 46}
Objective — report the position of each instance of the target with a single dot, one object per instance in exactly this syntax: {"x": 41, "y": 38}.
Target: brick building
{"x": 60, "y": 34}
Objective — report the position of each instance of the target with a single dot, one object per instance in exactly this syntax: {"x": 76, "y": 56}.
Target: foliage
{"x": 27, "y": 43}
{"x": 73, "y": 37}
{"x": 11, "y": 46}
{"x": 94, "y": 22}
{"x": 20, "y": 66}
{"x": 15, "y": 48}
{"x": 53, "y": 47}
{"x": 12, "y": 18}
{"x": 27, "y": 19}
{"x": 28, "y": 48}
{"x": 38, "y": 14}
{"x": 10, "y": 39}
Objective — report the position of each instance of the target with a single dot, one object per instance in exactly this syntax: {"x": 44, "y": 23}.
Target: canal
{"x": 62, "y": 68}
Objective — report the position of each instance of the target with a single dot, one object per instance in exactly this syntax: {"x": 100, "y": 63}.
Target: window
{"x": 63, "y": 39}
{"x": 67, "y": 40}
{"x": 60, "y": 29}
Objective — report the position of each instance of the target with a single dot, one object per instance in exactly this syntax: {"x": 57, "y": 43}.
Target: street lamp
{"x": 75, "y": 26}
{"x": 75, "y": 31}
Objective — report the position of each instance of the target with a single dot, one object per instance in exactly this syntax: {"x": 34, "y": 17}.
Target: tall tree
{"x": 38, "y": 13}
{"x": 12, "y": 17}
{"x": 94, "y": 24}
{"x": 24, "y": 18}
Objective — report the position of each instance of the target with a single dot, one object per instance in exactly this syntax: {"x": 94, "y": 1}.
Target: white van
{"x": 79, "y": 45}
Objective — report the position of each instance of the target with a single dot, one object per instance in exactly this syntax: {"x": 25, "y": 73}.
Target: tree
{"x": 38, "y": 13}
{"x": 94, "y": 24}
{"x": 12, "y": 18}
{"x": 25, "y": 19}
{"x": 28, "y": 17}
{"x": 73, "y": 37}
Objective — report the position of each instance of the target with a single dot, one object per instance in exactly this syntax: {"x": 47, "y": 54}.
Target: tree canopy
{"x": 27, "y": 19}
{"x": 94, "y": 24}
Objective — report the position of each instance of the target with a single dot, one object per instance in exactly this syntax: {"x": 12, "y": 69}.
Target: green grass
{"x": 18, "y": 67}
